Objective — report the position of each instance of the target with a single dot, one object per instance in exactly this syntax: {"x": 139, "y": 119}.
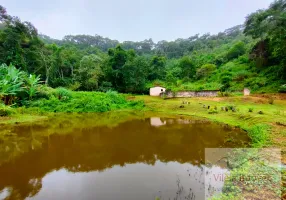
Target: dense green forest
{"x": 41, "y": 76}
{"x": 250, "y": 55}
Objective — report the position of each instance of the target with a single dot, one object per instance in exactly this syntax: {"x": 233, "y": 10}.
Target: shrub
{"x": 241, "y": 75}
{"x": 250, "y": 109}
{"x": 243, "y": 59}
{"x": 11, "y": 83}
{"x": 164, "y": 96}
{"x": 86, "y": 102}
{"x": 6, "y": 110}
{"x": 224, "y": 94}
{"x": 62, "y": 93}
{"x": 106, "y": 86}
{"x": 115, "y": 97}
{"x": 231, "y": 107}
{"x": 282, "y": 89}
{"x": 236, "y": 50}
{"x": 31, "y": 85}
{"x": 261, "y": 112}
{"x": 44, "y": 92}
{"x": 226, "y": 79}
{"x": 74, "y": 86}
{"x": 205, "y": 71}
{"x": 212, "y": 111}
{"x": 259, "y": 134}
{"x": 17, "y": 85}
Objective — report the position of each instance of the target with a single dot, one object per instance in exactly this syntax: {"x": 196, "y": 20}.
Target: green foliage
{"x": 224, "y": 94}
{"x": 122, "y": 64}
{"x": 85, "y": 102}
{"x": 226, "y": 78}
{"x": 269, "y": 27}
{"x": 236, "y": 50}
{"x": 89, "y": 72}
{"x": 196, "y": 86}
{"x": 259, "y": 135}
{"x": 31, "y": 84}
{"x": 205, "y": 71}
{"x": 13, "y": 82}
{"x": 105, "y": 86}
{"x": 260, "y": 112}
{"x": 250, "y": 109}
{"x": 74, "y": 86}
{"x": 282, "y": 88}
{"x": 45, "y": 92}
{"x": 19, "y": 44}
{"x": 5, "y": 110}
{"x": 229, "y": 60}
{"x": 187, "y": 67}
{"x": 157, "y": 68}
{"x": 134, "y": 75}
{"x": 117, "y": 57}
{"x": 242, "y": 75}
{"x": 212, "y": 111}
{"x": 62, "y": 94}
{"x": 253, "y": 162}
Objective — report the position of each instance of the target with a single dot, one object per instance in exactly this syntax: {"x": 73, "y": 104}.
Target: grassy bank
{"x": 65, "y": 101}
{"x": 264, "y": 118}
{"x": 77, "y": 102}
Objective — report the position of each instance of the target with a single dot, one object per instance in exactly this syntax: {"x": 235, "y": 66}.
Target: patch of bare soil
{"x": 255, "y": 99}
{"x": 277, "y": 96}
{"x": 4, "y": 118}
{"x": 279, "y": 140}
{"x": 131, "y": 98}
{"x": 216, "y": 99}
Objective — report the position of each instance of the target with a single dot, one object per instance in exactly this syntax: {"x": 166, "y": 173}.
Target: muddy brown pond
{"x": 109, "y": 156}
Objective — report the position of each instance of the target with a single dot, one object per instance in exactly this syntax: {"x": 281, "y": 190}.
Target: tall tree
{"x": 134, "y": 75}
{"x": 188, "y": 68}
{"x": 117, "y": 59}
{"x": 269, "y": 27}
{"x": 19, "y": 43}
{"x": 157, "y": 68}
{"x": 89, "y": 72}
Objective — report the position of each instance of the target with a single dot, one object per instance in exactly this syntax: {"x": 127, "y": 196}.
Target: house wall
{"x": 156, "y": 91}
{"x": 207, "y": 93}
{"x": 246, "y": 92}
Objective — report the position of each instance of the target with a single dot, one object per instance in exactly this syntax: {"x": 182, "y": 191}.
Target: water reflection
{"x": 156, "y": 121}
{"x": 81, "y": 159}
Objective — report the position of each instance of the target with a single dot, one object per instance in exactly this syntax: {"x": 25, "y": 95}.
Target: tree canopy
{"x": 238, "y": 57}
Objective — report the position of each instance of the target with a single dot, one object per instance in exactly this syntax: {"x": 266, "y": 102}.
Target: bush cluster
{"x": 63, "y": 100}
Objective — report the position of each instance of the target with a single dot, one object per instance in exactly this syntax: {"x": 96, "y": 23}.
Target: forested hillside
{"x": 251, "y": 55}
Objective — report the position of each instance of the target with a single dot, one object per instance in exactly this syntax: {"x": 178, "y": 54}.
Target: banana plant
{"x": 32, "y": 83}
{"x": 11, "y": 83}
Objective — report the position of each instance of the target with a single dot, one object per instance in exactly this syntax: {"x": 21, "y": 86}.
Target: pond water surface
{"x": 102, "y": 156}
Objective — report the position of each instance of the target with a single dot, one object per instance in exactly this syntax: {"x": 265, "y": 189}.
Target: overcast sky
{"x": 133, "y": 20}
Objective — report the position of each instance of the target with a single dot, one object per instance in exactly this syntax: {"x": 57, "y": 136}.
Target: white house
{"x": 156, "y": 91}
{"x": 246, "y": 92}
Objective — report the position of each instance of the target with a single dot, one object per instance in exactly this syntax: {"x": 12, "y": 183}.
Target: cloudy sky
{"x": 133, "y": 20}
